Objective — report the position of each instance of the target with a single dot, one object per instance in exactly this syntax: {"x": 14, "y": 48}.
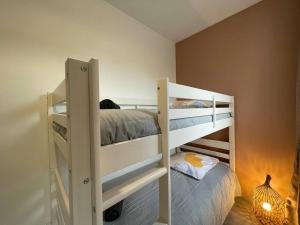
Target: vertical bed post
{"x": 79, "y": 144}
{"x": 164, "y": 182}
{"x": 214, "y": 111}
{"x": 232, "y": 138}
{"x": 52, "y": 158}
{"x": 52, "y": 162}
{"x": 95, "y": 141}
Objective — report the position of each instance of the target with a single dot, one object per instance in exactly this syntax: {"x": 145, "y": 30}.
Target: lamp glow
{"x": 267, "y": 206}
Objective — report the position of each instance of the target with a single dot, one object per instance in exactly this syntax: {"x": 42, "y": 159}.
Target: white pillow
{"x": 193, "y": 164}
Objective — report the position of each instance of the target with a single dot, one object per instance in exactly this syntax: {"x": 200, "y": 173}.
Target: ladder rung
{"x": 61, "y": 119}
{"x": 122, "y": 191}
{"x": 61, "y": 144}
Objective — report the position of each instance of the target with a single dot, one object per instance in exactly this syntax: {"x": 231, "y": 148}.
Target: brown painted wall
{"x": 252, "y": 55}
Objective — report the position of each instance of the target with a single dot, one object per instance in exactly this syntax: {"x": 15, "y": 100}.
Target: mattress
{"x": 123, "y": 125}
{"x": 204, "y": 202}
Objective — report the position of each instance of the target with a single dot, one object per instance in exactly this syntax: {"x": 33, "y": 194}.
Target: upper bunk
{"x": 191, "y": 113}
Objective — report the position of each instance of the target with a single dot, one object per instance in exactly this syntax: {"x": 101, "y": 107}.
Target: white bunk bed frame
{"x": 91, "y": 164}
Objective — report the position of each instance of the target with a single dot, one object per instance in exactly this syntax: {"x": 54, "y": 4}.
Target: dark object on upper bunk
{"x": 114, "y": 212}
{"x": 108, "y": 104}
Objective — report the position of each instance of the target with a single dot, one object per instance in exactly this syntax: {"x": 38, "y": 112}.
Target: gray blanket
{"x": 204, "y": 202}
{"x": 123, "y": 125}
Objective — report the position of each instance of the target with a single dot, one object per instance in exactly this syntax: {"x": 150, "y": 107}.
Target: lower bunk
{"x": 194, "y": 202}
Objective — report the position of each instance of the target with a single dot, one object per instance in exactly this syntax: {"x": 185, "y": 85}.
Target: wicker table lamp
{"x": 269, "y": 206}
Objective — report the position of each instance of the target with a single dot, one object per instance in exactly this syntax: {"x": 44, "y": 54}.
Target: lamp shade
{"x": 269, "y": 206}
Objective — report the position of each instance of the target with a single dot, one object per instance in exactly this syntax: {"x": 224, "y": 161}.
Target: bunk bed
{"x": 86, "y": 160}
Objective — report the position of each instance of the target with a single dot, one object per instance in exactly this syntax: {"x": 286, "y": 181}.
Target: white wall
{"x": 36, "y": 37}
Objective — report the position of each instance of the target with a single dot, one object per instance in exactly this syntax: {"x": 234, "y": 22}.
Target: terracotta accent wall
{"x": 252, "y": 55}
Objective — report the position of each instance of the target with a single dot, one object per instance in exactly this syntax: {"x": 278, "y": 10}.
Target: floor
{"x": 241, "y": 214}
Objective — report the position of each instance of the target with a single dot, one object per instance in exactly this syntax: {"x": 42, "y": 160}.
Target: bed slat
{"x": 205, "y": 151}
{"x": 128, "y": 153}
{"x": 59, "y": 94}
{"x": 181, "y": 136}
{"x": 185, "y": 92}
{"x": 194, "y": 112}
{"x": 122, "y": 191}
{"x": 61, "y": 144}
{"x": 60, "y": 119}
{"x": 131, "y": 168}
{"x": 212, "y": 143}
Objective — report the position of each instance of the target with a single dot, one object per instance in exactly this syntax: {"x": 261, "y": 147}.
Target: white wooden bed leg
{"x": 164, "y": 182}
{"x": 79, "y": 144}
{"x": 232, "y": 138}
{"x": 52, "y": 159}
{"x": 214, "y": 111}
{"x": 95, "y": 142}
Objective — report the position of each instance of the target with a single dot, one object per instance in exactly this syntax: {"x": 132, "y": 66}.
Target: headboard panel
{"x": 214, "y": 148}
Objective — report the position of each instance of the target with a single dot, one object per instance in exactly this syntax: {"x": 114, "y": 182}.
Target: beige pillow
{"x": 193, "y": 164}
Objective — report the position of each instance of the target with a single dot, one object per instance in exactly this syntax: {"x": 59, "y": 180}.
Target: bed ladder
{"x": 87, "y": 201}
{"x": 161, "y": 173}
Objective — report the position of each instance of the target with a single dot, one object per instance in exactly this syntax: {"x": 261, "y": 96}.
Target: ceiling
{"x": 179, "y": 19}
